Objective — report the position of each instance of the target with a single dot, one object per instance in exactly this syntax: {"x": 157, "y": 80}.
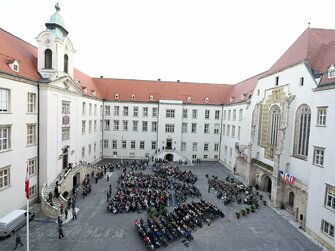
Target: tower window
{"x": 48, "y": 59}
{"x": 301, "y": 81}
{"x": 277, "y": 81}
{"x": 66, "y": 63}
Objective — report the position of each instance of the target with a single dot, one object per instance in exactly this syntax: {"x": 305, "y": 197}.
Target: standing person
{"x": 18, "y": 241}
{"x": 66, "y": 213}
{"x": 61, "y": 207}
{"x": 110, "y": 188}
{"x": 60, "y": 232}
{"x": 74, "y": 214}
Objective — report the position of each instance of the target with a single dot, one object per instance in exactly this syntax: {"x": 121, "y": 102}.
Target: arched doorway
{"x": 65, "y": 157}
{"x": 76, "y": 179}
{"x": 291, "y": 199}
{"x": 169, "y": 157}
{"x": 266, "y": 183}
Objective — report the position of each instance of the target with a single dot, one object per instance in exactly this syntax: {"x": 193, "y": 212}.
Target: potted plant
{"x": 237, "y": 215}
{"x": 252, "y": 208}
{"x": 243, "y": 212}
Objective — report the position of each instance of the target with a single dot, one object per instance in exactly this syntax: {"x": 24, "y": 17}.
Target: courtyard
{"x": 98, "y": 229}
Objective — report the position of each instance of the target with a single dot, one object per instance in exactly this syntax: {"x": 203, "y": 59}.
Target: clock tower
{"x": 55, "y": 49}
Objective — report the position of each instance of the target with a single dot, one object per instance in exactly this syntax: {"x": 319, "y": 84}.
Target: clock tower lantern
{"x": 55, "y": 49}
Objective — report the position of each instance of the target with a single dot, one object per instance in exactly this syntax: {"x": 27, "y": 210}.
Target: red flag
{"x": 26, "y": 187}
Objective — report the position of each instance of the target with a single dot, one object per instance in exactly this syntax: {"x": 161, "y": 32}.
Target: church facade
{"x": 273, "y": 129}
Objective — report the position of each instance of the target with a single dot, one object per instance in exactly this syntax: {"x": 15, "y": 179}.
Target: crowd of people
{"x": 162, "y": 228}
{"x": 174, "y": 172}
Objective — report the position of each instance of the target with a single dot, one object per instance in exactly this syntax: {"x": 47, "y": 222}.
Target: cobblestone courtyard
{"x": 97, "y": 229}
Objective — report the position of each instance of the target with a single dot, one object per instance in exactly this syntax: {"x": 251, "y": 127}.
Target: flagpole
{"x": 27, "y": 224}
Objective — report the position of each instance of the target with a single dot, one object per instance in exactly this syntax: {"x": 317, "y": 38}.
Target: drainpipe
{"x": 38, "y": 142}
{"x": 102, "y": 127}
{"x": 158, "y": 126}
{"x": 221, "y": 131}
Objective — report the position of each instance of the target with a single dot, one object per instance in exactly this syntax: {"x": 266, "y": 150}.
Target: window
{"x": 125, "y": 125}
{"x": 90, "y": 126}
{"x": 47, "y": 59}
{"x": 194, "y": 156}
{"x": 330, "y": 197}
{"x": 4, "y": 100}
{"x": 228, "y": 130}
{"x": 230, "y": 151}
{"x": 65, "y": 133}
{"x": 144, "y": 126}
{"x": 66, "y": 63}
{"x": 31, "y": 102}
{"x": 31, "y": 135}
{"x": 225, "y": 149}
{"x": 4, "y": 137}
{"x": 185, "y": 113}
{"x": 95, "y": 147}
{"x": 153, "y": 145}
{"x": 135, "y": 126}
{"x": 65, "y": 107}
{"x": 223, "y": 129}
{"x": 205, "y": 146}
{"x": 206, "y": 128}
{"x": 83, "y": 152}
{"x": 194, "y": 113}
{"x": 154, "y": 112}
{"x": 277, "y": 81}
{"x": 145, "y": 112}
{"x": 322, "y": 113}
{"x": 224, "y": 115}
{"x": 238, "y": 132}
{"x": 207, "y": 114}
{"x": 216, "y": 147}
{"x": 95, "y": 125}
{"x": 205, "y": 156}
{"x": 302, "y": 130}
{"x": 291, "y": 200}
{"x": 258, "y": 92}
{"x": 274, "y": 116}
{"x": 89, "y": 149}
{"x": 327, "y": 228}
{"x": 107, "y": 110}
{"x": 114, "y": 144}
{"x": 216, "y": 128}
{"x": 135, "y": 111}
{"x": 184, "y": 127}
{"x": 107, "y": 125}
{"x": 331, "y": 71}
{"x": 100, "y": 110}
{"x": 125, "y": 111}
{"x": 170, "y": 113}
{"x": 32, "y": 191}
{"x": 116, "y": 110}
{"x": 233, "y": 131}
{"x": 195, "y": 146}
{"x": 154, "y": 126}
{"x": 106, "y": 143}
{"x": 194, "y": 128}
{"x": 116, "y": 125}
{"x": 132, "y": 144}
{"x": 32, "y": 167}
{"x": 217, "y": 114}
{"x": 216, "y": 156}
{"x": 234, "y": 115}
{"x": 95, "y": 109}
{"x": 84, "y": 108}
{"x": 229, "y": 115}
{"x": 318, "y": 158}
{"x": 183, "y": 146}
{"x": 301, "y": 81}
{"x": 124, "y": 144}
{"x": 100, "y": 125}
{"x": 169, "y": 128}
{"x": 240, "y": 114}
{"x": 141, "y": 144}
{"x": 90, "y": 109}
{"x": 114, "y": 153}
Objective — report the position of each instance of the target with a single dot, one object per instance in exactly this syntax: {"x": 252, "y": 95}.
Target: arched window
{"x": 66, "y": 63}
{"x": 302, "y": 129}
{"x": 274, "y": 117}
{"x": 291, "y": 199}
{"x": 48, "y": 59}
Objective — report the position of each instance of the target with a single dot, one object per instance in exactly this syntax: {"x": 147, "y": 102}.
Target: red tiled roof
{"x": 13, "y": 48}
{"x": 143, "y": 89}
{"x": 88, "y": 82}
{"x": 311, "y": 47}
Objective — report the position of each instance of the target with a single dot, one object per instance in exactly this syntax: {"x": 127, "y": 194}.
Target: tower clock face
{"x": 47, "y": 40}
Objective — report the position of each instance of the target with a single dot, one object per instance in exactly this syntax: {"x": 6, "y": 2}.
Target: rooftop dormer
{"x": 331, "y": 71}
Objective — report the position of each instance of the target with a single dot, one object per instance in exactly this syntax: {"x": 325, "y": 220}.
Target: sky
{"x": 205, "y": 41}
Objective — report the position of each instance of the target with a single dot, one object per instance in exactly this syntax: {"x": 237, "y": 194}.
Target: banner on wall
{"x": 288, "y": 178}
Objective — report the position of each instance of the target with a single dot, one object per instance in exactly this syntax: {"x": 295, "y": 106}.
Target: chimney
{"x": 178, "y": 80}
{"x": 158, "y": 79}
{"x": 101, "y": 76}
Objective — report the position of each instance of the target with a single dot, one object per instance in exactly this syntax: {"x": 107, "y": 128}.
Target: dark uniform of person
{"x": 18, "y": 241}
{"x": 60, "y": 232}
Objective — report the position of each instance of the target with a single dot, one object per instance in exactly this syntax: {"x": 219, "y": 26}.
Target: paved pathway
{"x": 96, "y": 229}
